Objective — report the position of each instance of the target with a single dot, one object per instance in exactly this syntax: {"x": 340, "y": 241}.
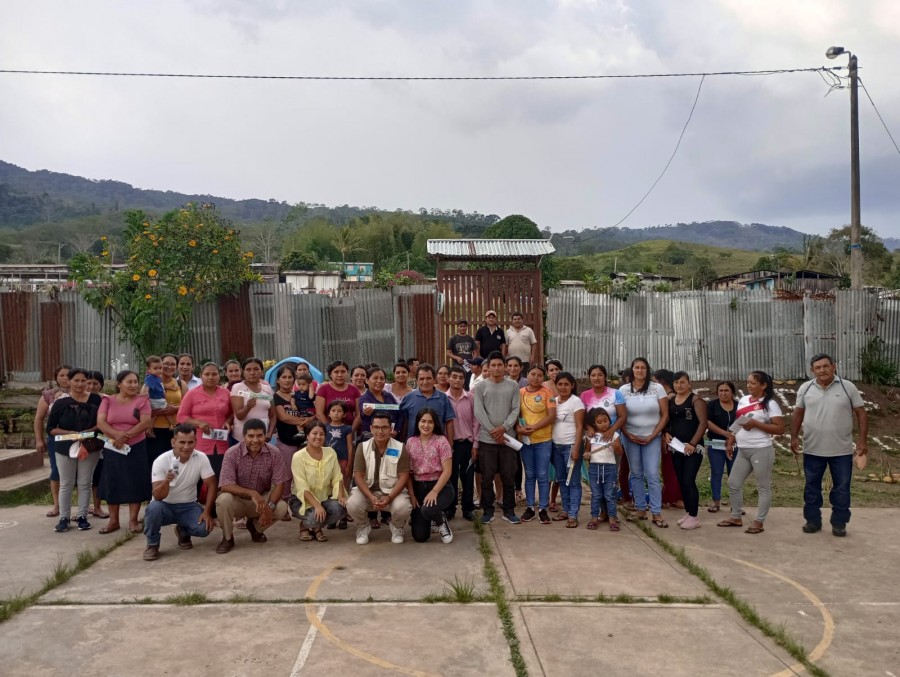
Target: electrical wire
{"x": 779, "y": 71}
{"x": 883, "y": 123}
{"x": 661, "y": 174}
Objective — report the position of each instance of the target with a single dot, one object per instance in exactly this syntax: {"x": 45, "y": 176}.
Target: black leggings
{"x": 423, "y": 516}
{"x": 686, "y": 468}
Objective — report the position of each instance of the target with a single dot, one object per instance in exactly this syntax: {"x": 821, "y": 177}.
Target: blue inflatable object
{"x": 316, "y": 374}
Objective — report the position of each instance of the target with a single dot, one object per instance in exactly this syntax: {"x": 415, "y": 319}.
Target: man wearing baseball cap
{"x": 461, "y": 346}
{"x": 490, "y": 337}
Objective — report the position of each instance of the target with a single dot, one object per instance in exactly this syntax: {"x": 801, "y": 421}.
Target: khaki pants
{"x": 358, "y": 506}
{"x": 229, "y": 506}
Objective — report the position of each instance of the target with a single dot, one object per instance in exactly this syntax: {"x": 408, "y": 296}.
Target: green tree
{"x": 518, "y": 227}
{"x": 298, "y": 260}
{"x": 835, "y": 254}
{"x": 187, "y": 257}
{"x": 572, "y": 268}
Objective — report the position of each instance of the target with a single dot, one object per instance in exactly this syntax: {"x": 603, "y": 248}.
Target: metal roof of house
{"x": 489, "y": 249}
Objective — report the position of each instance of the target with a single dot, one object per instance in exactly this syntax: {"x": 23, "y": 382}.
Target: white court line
{"x": 307, "y": 644}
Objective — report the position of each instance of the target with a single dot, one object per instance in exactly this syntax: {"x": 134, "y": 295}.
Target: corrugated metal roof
{"x": 489, "y": 249}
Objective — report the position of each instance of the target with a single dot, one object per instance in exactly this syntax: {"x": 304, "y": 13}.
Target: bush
{"x": 876, "y": 366}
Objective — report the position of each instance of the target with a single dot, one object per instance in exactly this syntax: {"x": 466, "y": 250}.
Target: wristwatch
{"x": 271, "y": 505}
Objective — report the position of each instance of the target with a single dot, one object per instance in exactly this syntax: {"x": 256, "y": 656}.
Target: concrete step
{"x": 30, "y": 479}
{"x": 15, "y": 461}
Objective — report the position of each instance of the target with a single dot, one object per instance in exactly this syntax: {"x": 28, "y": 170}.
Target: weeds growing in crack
{"x": 778, "y": 634}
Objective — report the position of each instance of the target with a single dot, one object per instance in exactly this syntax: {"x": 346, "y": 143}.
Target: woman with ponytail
{"x": 759, "y": 418}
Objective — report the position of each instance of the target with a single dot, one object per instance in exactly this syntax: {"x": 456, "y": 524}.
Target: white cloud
{"x": 567, "y": 153}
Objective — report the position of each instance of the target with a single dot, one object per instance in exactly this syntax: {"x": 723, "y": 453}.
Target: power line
{"x": 779, "y": 71}
{"x": 662, "y": 173}
{"x": 883, "y": 123}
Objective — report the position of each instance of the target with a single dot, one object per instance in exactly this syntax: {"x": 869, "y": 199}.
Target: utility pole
{"x": 856, "y": 259}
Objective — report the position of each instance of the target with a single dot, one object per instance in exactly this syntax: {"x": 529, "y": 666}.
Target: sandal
{"x": 553, "y": 507}
{"x": 614, "y": 525}
{"x": 637, "y": 517}
{"x": 753, "y": 529}
{"x": 305, "y": 535}
{"x": 98, "y": 513}
{"x": 109, "y": 528}
{"x": 604, "y": 517}
{"x": 730, "y": 523}
{"x": 713, "y": 508}
{"x": 561, "y": 517}
{"x": 135, "y": 528}
{"x": 572, "y": 524}
{"x": 660, "y": 522}
{"x": 593, "y": 524}
{"x": 320, "y": 537}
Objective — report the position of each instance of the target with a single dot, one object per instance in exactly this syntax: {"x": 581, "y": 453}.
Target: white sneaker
{"x": 446, "y": 533}
{"x": 396, "y": 533}
{"x": 682, "y": 519}
{"x": 691, "y": 523}
{"x": 362, "y": 534}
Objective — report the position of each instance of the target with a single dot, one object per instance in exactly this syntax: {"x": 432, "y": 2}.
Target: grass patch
{"x": 61, "y": 574}
{"x": 498, "y": 596}
{"x": 35, "y": 494}
{"x": 778, "y": 634}
{"x": 189, "y": 598}
{"x": 240, "y": 598}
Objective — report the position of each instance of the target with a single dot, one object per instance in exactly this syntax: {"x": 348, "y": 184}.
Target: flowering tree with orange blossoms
{"x": 186, "y": 257}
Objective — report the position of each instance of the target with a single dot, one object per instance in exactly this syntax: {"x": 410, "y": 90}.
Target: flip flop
{"x": 713, "y": 508}
{"x": 729, "y": 523}
{"x": 754, "y": 530}
{"x": 553, "y": 507}
{"x": 99, "y": 515}
{"x": 136, "y": 529}
{"x": 561, "y": 517}
{"x": 661, "y": 523}
{"x": 572, "y": 524}
{"x": 614, "y": 526}
{"x": 593, "y": 524}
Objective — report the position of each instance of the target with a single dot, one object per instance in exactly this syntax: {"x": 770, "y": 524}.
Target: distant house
{"x": 796, "y": 281}
{"x": 357, "y": 274}
{"x": 649, "y": 280}
{"x": 313, "y": 281}
{"x": 35, "y": 276}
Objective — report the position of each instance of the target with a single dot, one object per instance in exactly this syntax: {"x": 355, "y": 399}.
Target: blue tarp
{"x": 316, "y": 374}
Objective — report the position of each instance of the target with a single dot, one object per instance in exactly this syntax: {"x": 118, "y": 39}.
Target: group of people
{"x": 409, "y": 452}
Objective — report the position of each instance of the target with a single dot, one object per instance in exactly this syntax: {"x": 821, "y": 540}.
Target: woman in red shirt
{"x": 208, "y": 408}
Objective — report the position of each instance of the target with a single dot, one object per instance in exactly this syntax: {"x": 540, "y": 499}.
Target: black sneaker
{"x": 184, "y": 540}
{"x": 469, "y": 516}
{"x": 811, "y": 528}
{"x": 544, "y": 517}
{"x": 62, "y": 525}
{"x": 528, "y": 515}
{"x": 511, "y": 517}
{"x": 839, "y": 529}
{"x": 83, "y": 524}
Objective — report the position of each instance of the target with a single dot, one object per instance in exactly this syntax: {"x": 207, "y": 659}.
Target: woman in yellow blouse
{"x": 320, "y": 498}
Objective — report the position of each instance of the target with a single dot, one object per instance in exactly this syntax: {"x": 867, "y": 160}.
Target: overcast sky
{"x": 568, "y": 154}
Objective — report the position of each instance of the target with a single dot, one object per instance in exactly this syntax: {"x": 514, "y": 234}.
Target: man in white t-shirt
{"x": 521, "y": 342}
{"x": 175, "y": 476}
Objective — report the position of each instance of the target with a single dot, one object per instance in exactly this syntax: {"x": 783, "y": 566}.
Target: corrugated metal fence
{"x": 718, "y": 335}
{"x": 710, "y": 335}
{"x": 40, "y": 330}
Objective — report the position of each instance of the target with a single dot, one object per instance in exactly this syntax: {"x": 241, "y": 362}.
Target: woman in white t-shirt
{"x": 762, "y": 419}
{"x": 567, "y": 436}
{"x": 252, "y": 398}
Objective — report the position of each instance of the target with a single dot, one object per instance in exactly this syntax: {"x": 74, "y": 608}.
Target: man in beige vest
{"x": 381, "y": 472}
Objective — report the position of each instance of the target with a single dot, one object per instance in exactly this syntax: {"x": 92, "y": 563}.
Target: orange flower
{"x": 104, "y": 253}
{"x": 148, "y": 296}
{"x": 182, "y": 290}
{"x": 151, "y": 272}
{"x": 135, "y": 277}
{"x": 215, "y": 251}
{"x": 103, "y": 238}
{"x": 192, "y": 243}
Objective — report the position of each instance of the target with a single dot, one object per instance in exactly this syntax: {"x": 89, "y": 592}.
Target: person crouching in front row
{"x": 251, "y": 485}
{"x": 381, "y": 472}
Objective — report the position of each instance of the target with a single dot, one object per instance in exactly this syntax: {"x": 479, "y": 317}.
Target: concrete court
{"x": 556, "y": 638}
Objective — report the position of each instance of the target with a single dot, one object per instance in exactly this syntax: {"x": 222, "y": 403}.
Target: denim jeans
{"x": 536, "y": 458}
{"x": 74, "y": 473}
{"x": 569, "y": 493}
{"x": 718, "y": 461}
{"x": 603, "y": 488}
{"x": 186, "y": 515}
{"x": 334, "y": 513}
{"x": 841, "y": 473}
{"x": 643, "y": 459}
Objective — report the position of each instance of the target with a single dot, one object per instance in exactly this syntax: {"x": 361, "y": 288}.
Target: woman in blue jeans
{"x": 568, "y": 431}
{"x": 535, "y": 429}
{"x": 721, "y": 415}
{"x": 648, "y": 414}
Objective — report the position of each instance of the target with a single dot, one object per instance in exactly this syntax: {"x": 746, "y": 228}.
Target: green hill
{"x": 663, "y": 257}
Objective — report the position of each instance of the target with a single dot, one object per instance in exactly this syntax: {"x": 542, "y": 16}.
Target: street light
{"x": 855, "y": 246}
